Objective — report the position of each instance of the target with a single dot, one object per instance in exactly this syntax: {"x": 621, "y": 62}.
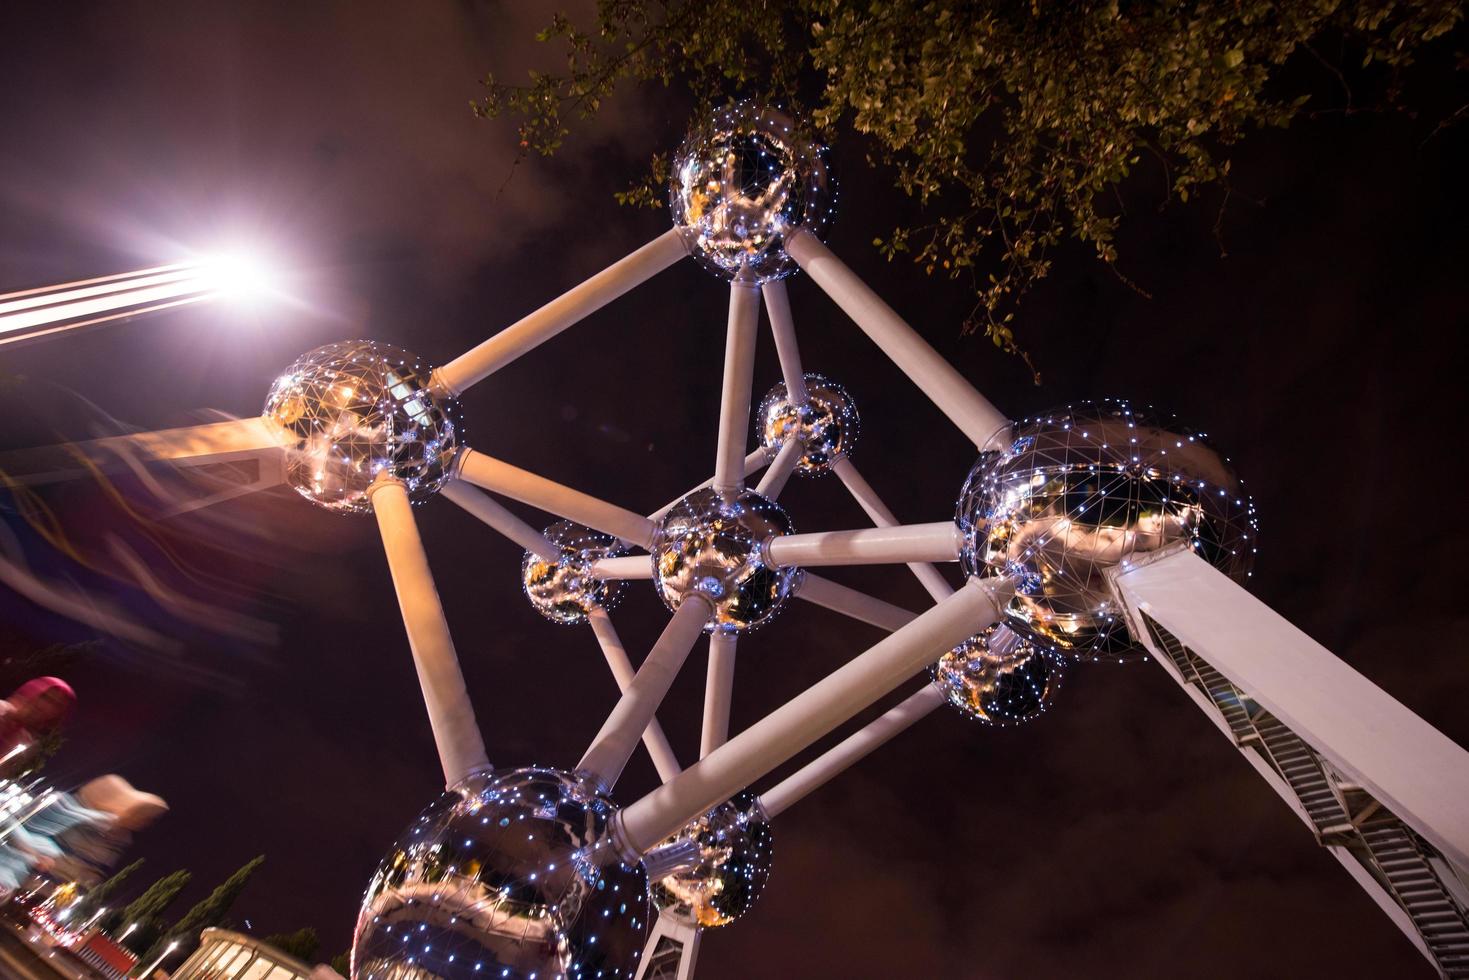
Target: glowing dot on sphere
{"x": 1083, "y": 488}
{"x": 565, "y": 590}
{"x": 826, "y": 423}
{"x": 491, "y": 897}
{"x": 734, "y": 850}
{"x": 711, "y": 543}
{"x": 999, "y": 677}
{"x": 357, "y": 409}
{"x": 742, "y": 181}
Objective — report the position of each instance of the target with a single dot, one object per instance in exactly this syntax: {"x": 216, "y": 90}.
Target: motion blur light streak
{"x": 30, "y": 314}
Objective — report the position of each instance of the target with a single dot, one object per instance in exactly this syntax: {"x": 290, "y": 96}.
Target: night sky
{"x": 1120, "y": 835}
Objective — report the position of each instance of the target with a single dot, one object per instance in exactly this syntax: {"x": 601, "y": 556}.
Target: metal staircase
{"x": 1342, "y": 816}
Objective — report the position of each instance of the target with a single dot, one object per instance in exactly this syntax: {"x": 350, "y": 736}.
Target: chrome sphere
{"x": 565, "y": 590}
{"x": 506, "y": 875}
{"x": 741, "y": 182}
{"x": 1082, "y": 489}
{"x": 826, "y": 422}
{"x": 711, "y": 543}
{"x": 357, "y": 409}
{"x": 999, "y": 677}
{"x": 734, "y": 846}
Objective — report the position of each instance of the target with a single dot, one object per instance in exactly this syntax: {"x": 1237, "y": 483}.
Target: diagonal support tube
{"x": 980, "y": 421}
{"x": 903, "y": 544}
{"x": 739, "y": 374}
{"x": 450, "y": 714}
{"x": 495, "y": 514}
{"x": 851, "y": 750}
{"x": 498, "y": 476}
{"x": 861, "y": 491}
{"x": 808, "y": 716}
{"x": 718, "y": 687}
{"x": 480, "y": 362}
{"x": 849, "y": 602}
{"x": 614, "y": 744}
{"x": 774, "y": 480}
{"x": 653, "y": 738}
{"x": 783, "y": 329}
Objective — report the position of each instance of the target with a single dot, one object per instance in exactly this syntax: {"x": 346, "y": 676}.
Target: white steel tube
{"x": 849, "y": 602}
{"x": 624, "y": 566}
{"x": 980, "y": 421}
{"x": 739, "y": 374}
{"x": 574, "y": 304}
{"x": 783, "y": 329}
{"x": 498, "y": 476}
{"x": 494, "y": 513}
{"x": 718, "y": 688}
{"x": 450, "y": 714}
{"x": 878, "y": 545}
{"x": 861, "y": 491}
{"x": 614, "y": 744}
{"x": 774, "y": 480}
{"x": 808, "y": 716}
{"x": 850, "y": 750}
{"x": 754, "y": 462}
{"x": 653, "y": 738}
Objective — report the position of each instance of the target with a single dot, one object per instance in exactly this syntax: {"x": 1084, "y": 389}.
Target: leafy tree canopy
{"x": 1012, "y": 124}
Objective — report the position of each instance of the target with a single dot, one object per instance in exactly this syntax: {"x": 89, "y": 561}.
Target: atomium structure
{"x": 1101, "y": 531}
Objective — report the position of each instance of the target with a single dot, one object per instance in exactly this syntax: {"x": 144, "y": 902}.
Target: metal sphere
{"x": 505, "y": 875}
{"x": 712, "y": 543}
{"x": 357, "y": 409}
{"x": 999, "y": 677}
{"x": 734, "y": 846}
{"x": 565, "y": 590}
{"x": 1082, "y": 489}
{"x": 741, "y": 182}
{"x": 826, "y": 422}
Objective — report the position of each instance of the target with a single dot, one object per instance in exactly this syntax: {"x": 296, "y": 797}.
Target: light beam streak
{"x": 30, "y": 314}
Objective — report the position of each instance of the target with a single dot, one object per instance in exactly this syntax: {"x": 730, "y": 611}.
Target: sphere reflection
{"x": 357, "y": 409}
{"x": 741, "y": 182}
{"x": 711, "y": 543}
{"x": 734, "y": 846}
{"x": 826, "y": 422}
{"x": 1082, "y": 489}
{"x": 999, "y": 677}
{"x": 506, "y": 875}
{"x": 565, "y": 590}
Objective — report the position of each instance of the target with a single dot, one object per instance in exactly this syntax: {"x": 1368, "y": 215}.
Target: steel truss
{"x": 1391, "y": 804}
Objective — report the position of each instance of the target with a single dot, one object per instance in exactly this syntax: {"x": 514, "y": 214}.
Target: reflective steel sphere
{"x": 1083, "y": 488}
{"x": 506, "y": 875}
{"x": 741, "y": 182}
{"x": 359, "y": 408}
{"x": 999, "y": 677}
{"x": 734, "y": 844}
{"x": 826, "y": 422}
{"x": 711, "y": 543}
{"x": 564, "y": 591}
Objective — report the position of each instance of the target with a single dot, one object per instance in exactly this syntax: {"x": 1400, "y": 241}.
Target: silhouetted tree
{"x": 302, "y": 944}
{"x": 147, "y": 909}
{"x": 210, "y": 912}
{"x": 98, "y": 897}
